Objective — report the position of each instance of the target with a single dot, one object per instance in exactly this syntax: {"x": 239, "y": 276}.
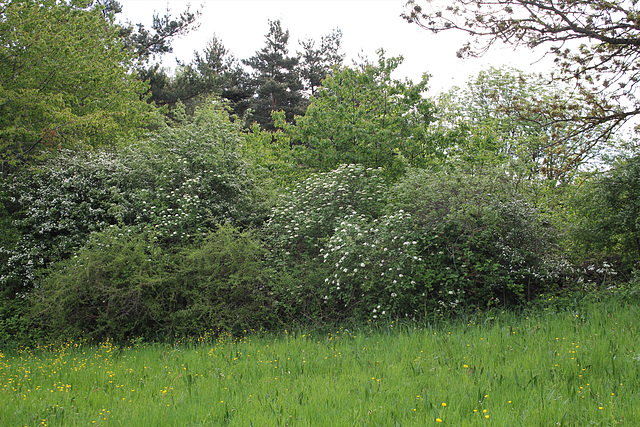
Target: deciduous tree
{"x": 363, "y": 115}
{"x": 65, "y": 79}
{"x": 500, "y": 117}
{"x": 595, "y": 44}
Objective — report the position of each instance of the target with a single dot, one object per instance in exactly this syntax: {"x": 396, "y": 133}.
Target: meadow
{"x": 575, "y": 364}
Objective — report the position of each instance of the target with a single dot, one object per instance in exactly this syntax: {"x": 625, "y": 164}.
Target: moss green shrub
{"x": 122, "y": 284}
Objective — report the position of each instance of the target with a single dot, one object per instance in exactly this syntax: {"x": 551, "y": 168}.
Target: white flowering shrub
{"x": 374, "y": 266}
{"x": 448, "y": 242}
{"x": 303, "y": 221}
{"x": 56, "y": 206}
{"x": 306, "y": 215}
{"x": 174, "y": 186}
{"x": 189, "y": 178}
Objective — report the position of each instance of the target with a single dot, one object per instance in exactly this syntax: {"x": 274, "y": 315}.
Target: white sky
{"x": 367, "y": 25}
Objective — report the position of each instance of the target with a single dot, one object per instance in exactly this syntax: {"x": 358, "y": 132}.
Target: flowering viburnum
{"x": 386, "y": 284}
{"x": 308, "y": 214}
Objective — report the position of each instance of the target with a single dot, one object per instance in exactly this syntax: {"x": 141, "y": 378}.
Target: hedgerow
{"x": 176, "y": 185}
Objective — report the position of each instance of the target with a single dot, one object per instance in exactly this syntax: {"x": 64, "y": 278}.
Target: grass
{"x": 575, "y": 366}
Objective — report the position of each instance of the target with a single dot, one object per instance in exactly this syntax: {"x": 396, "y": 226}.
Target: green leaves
{"x": 122, "y": 285}
{"x": 514, "y": 120}
{"x": 362, "y": 115}
{"x": 174, "y": 186}
{"x": 606, "y": 213}
{"x": 64, "y": 80}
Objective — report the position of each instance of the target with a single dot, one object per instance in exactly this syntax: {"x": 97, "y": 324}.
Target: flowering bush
{"x": 374, "y": 266}
{"x": 447, "y": 242}
{"x": 56, "y": 206}
{"x": 301, "y": 223}
{"x": 175, "y": 186}
{"x": 306, "y": 216}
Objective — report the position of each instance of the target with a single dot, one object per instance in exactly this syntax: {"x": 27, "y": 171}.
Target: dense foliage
{"x": 447, "y": 242}
{"x": 363, "y": 115}
{"x": 355, "y": 197}
{"x": 173, "y": 188}
{"x": 123, "y": 284}
{"x": 64, "y": 79}
{"x": 607, "y": 216}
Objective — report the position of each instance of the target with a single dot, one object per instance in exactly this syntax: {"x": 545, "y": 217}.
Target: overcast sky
{"x": 367, "y": 25}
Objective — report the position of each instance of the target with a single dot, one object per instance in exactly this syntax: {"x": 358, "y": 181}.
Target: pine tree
{"x": 276, "y": 79}
{"x": 317, "y": 63}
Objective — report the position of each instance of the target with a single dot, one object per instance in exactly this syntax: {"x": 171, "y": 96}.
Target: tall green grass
{"x": 575, "y": 367}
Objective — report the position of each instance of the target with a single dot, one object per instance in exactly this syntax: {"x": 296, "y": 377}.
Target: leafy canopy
{"x": 64, "y": 79}
{"x": 364, "y": 116}
{"x": 499, "y": 118}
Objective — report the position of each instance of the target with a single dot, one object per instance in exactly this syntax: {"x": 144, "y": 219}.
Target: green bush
{"x": 176, "y": 185}
{"x": 606, "y": 218}
{"x": 448, "y": 241}
{"x": 122, "y": 284}
{"x": 303, "y": 220}
{"x": 222, "y": 283}
{"x": 104, "y": 289}
{"x": 306, "y": 215}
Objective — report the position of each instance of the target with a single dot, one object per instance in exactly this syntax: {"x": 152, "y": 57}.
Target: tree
{"x": 276, "y": 78}
{"x": 595, "y": 44}
{"x": 146, "y": 44}
{"x": 225, "y": 75}
{"x": 189, "y": 85}
{"x": 168, "y": 90}
{"x": 499, "y": 117}
{"x": 316, "y": 63}
{"x": 214, "y": 71}
{"x": 65, "y": 79}
{"x": 362, "y": 115}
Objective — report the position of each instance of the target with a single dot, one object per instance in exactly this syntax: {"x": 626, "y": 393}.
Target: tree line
{"x": 139, "y": 203}
{"x": 71, "y": 73}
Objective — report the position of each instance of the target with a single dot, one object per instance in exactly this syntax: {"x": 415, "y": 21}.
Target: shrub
{"x": 448, "y": 241}
{"x": 306, "y": 215}
{"x": 222, "y": 283}
{"x": 301, "y": 223}
{"x": 373, "y": 266}
{"x": 176, "y": 185}
{"x": 606, "y": 222}
{"x": 122, "y": 284}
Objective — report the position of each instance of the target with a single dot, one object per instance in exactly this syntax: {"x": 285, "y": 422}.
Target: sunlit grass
{"x": 572, "y": 367}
